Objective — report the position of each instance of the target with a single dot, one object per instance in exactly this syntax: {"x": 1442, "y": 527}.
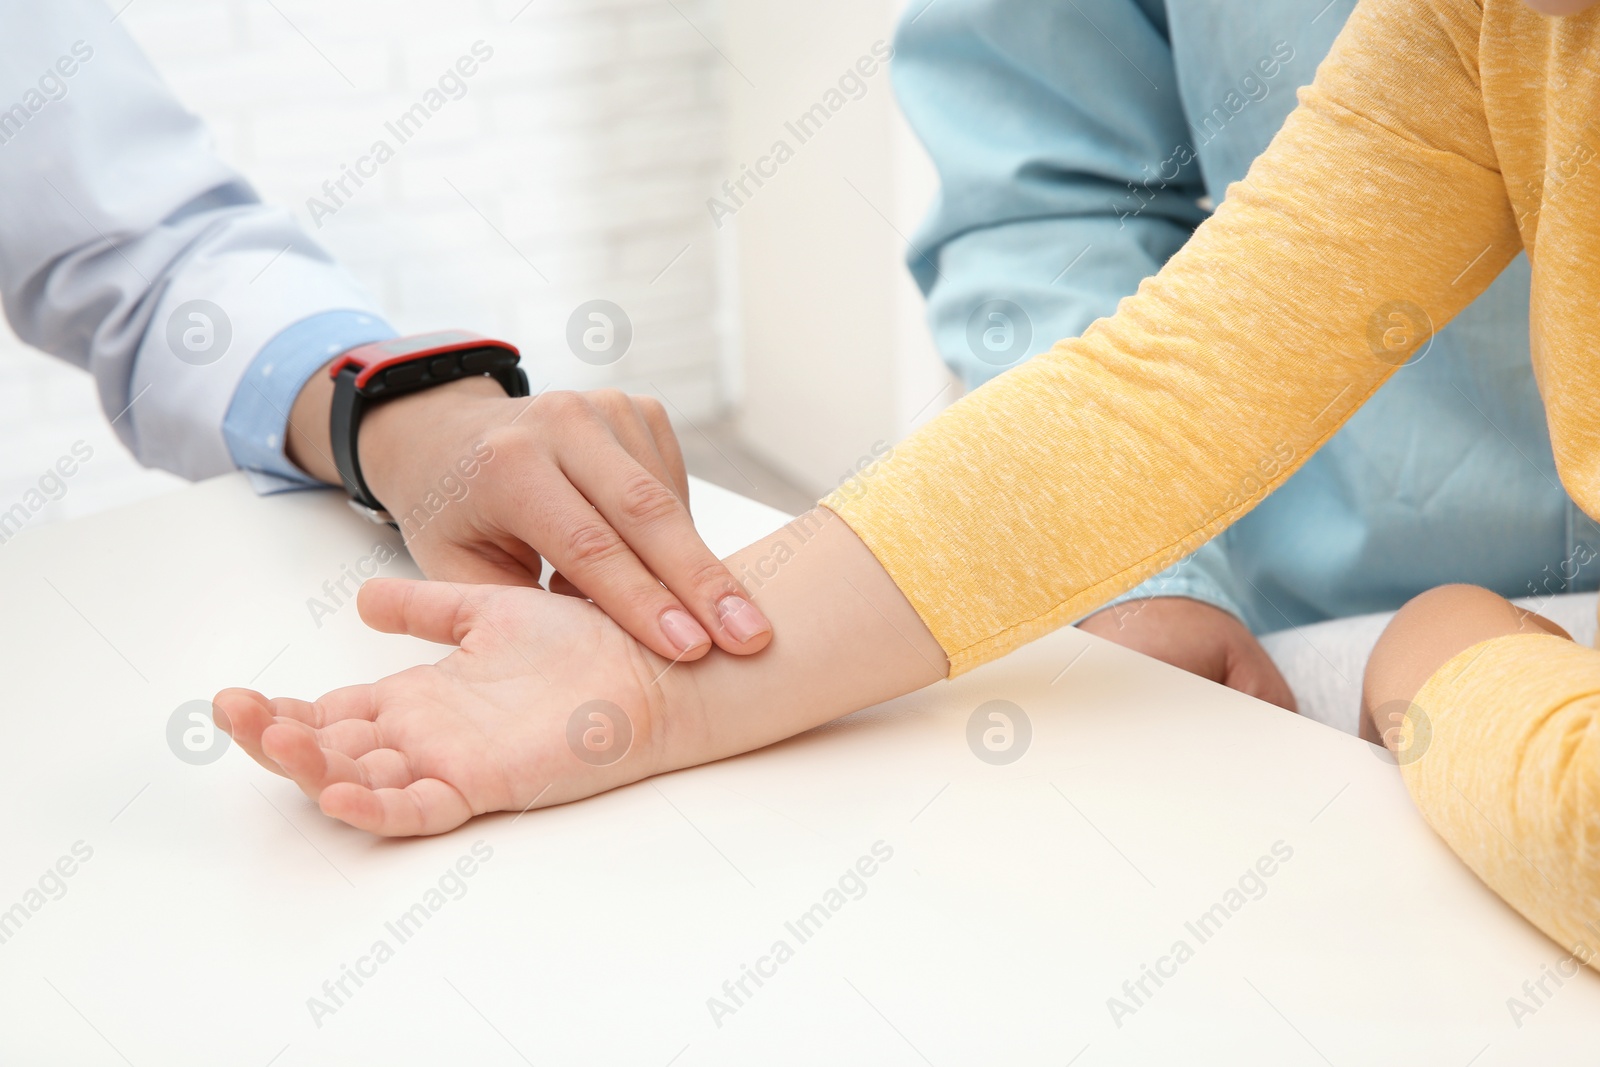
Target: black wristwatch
{"x": 386, "y": 369}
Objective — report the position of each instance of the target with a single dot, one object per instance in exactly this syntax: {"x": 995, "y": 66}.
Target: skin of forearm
{"x": 844, "y": 638}
{"x": 1423, "y": 636}
{"x": 385, "y": 429}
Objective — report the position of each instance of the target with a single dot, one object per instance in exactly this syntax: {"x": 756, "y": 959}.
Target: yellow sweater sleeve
{"x": 1374, "y": 217}
{"x": 1506, "y": 768}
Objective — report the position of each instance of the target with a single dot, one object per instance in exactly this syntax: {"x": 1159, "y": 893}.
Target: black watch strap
{"x": 344, "y": 428}
{"x": 373, "y": 373}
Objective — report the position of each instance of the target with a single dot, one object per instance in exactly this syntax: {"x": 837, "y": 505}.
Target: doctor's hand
{"x": 546, "y": 700}
{"x": 483, "y": 485}
{"x": 1198, "y": 638}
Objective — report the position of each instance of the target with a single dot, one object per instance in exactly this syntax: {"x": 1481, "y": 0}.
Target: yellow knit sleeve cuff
{"x": 1504, "y": 764}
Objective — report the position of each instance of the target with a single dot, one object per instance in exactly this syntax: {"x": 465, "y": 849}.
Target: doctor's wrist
{"x": 394, "y": 433}
{"x": 414, "y": 439}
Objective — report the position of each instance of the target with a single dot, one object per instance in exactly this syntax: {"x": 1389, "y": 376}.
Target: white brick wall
{"x": 589, "y": 142}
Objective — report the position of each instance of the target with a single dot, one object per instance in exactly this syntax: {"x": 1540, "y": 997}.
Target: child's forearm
{"x": 1492, "y": 713}
{"x": 844, "y": 638}
{"x": 1510, "y": 774}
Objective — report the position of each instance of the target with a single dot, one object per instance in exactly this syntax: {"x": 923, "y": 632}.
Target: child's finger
{"x": 385, "y": 768}
{"x": 426, "y": 806}
{"x": 293, "y": 746}
{"x": 351, "y": 737}
{"x": 434, "y": 611}
{"x": 306, "y": 757}
{"x": 350, "y": 702}
{"x": 244, "y": 715}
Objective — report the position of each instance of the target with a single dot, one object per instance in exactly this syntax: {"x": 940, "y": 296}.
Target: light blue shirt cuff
{"x": 1206, "y": 576}
{"x": 257, "y": 421}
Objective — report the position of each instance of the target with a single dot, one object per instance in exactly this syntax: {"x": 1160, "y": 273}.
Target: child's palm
{"x": 546, "y": 700}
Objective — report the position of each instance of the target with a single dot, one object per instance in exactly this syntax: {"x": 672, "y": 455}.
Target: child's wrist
{"x": 682, "y": 734}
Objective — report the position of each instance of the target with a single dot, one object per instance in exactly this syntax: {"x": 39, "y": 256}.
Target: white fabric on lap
{"x": 1323, "y": 663}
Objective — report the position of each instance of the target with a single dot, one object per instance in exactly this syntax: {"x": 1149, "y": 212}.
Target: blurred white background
{"x": 579, "y": 164}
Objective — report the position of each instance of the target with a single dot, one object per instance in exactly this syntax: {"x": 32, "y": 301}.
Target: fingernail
{"x": 741, "y": 619}
{"x": 681, "y": 629}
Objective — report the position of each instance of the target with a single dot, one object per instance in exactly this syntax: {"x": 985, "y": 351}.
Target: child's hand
{"x": 494, "y": 726}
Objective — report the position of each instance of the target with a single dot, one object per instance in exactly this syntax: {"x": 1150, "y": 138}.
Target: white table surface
{"x": 1018, "y": 898}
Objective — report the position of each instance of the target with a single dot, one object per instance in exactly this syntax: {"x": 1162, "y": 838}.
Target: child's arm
{"x": 1494, "y": 714}
{"x": 548, "y": 700}
{"x": 1376, "y": 215}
